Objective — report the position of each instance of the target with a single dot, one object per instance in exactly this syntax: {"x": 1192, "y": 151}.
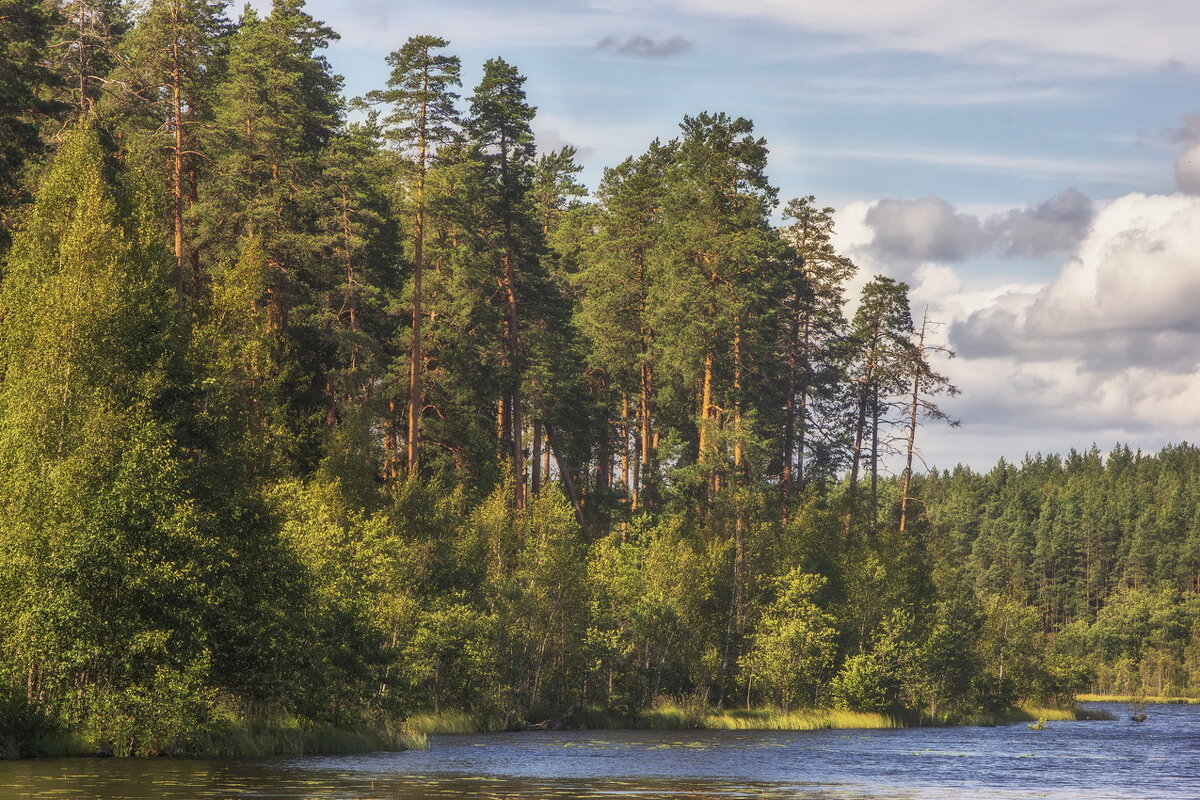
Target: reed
{"x": 439, "y": 722}
{"x": 806, "y": 720}
{"x": 666, "y": 715}
{"x": 1017, "y": 715}
{"x": 1129, "y": 698}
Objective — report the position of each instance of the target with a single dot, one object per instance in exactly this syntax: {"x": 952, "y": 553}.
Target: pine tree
{"x": 616, "y": 286}
{"x": 361, "y": 223}
{"x": 86, "y": 49}
{"x": 813, "y": 330}
{"x": 879, "y": 338}
{"x": 499, "y": 126}
{"x": 276, "y": 113}
{"x": 420, "y": 91}
{"x": 925, "y": 384}
{"x": 721, "y": 252}
{"x": 172, "y": 61}
{"x": 24, "y": 34}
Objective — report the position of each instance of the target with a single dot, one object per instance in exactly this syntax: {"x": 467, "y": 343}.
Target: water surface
{"x": 1119, "y": 760}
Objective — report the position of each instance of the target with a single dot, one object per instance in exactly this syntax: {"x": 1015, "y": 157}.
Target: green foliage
{"x": 792, "y": 650}
{"x": 106, "y": 556}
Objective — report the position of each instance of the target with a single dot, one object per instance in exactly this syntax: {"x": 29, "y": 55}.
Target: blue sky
{"x": 1027, "y": 166}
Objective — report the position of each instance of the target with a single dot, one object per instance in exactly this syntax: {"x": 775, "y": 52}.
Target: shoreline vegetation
{"x": 671, "y": 716}
{"x": 230, "y": 739}
{"x": 1137, "y": 699}
{"x": 292, "y": 738}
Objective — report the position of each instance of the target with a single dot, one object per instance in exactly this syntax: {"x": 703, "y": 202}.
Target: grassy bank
{"x": 1129, "y": 698}
{"x": 1023, "y": 714}
{"x": 672, "y": 716}
{"x": 436, "y": 722}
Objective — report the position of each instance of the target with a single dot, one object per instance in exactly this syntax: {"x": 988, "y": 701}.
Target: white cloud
{"x": 908, "y": 233}
{"x": 952, "y": 89}
{"x": 1137, "y": 274}
{"x": 928, "y": 228}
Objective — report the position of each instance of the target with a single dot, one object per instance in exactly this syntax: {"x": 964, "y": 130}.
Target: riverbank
{"x": 669, "y": 716}
{"x": 240, "y": 739}
{"x": 228, "y": 739}
{"x": 1130, "y": 698}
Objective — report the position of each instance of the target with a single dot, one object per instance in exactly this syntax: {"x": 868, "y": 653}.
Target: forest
{"x": 339, "y": 411}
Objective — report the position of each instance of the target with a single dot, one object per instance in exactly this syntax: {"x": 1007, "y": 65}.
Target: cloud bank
{"x": 931, "y": 229}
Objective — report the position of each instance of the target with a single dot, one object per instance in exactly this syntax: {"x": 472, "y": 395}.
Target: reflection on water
{"x": 1156, "y": 759}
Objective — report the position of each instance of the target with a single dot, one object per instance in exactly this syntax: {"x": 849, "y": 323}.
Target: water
{"x": 1120, "y": 760}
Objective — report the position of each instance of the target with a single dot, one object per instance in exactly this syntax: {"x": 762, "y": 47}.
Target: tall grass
{"x": 1129, "y": 698}
{"x": 807, "y": 720}
{"x": 671, "y": 715}
{"x": 668, "y": 715}
{"x": 436, "y": 722}
{"x": 1021, "y": 714}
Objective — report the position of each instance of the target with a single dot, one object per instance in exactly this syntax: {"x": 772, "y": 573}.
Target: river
{"x": 1158, "y": 759}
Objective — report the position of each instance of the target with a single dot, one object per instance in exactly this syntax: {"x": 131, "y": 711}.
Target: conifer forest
{"x": 345, "y": 410}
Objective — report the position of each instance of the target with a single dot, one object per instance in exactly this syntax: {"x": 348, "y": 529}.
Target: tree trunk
{"x": 737, "y": 400}
{"x": 645, "y": 467}
{"x": 565, "y": 475}
{"x": 536, "y": 460}
{"x": 177, "y": 190}
{"x": 705, "y": 436}
{"x": 604, "y": 446}
{"x": 625, "y": 442}
{"x": 391, "y": 442}
{"x": 860, "y": 424}
{"x": 789, "y": 420}
{"x": 514, "y": 408}
{"x": 415, "y": 365}
{"x": 875, "y": 458}
{"x": 910, "y": 446}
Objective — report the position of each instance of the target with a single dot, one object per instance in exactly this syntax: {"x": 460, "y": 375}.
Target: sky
{"x": 1031, "y": 168}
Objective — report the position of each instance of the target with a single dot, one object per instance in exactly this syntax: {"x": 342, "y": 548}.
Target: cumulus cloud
{"x": 931, "y": 229}
{"x": 1055, "y": 226}
{"x": 928, "y": 228}
{"x": 645, "y": 47}
{"x": 1129, "y": 296}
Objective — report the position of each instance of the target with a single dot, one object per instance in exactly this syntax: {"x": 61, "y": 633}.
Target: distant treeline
{"x": 1106, "y": 548}
{"x": 321, "y": 423}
